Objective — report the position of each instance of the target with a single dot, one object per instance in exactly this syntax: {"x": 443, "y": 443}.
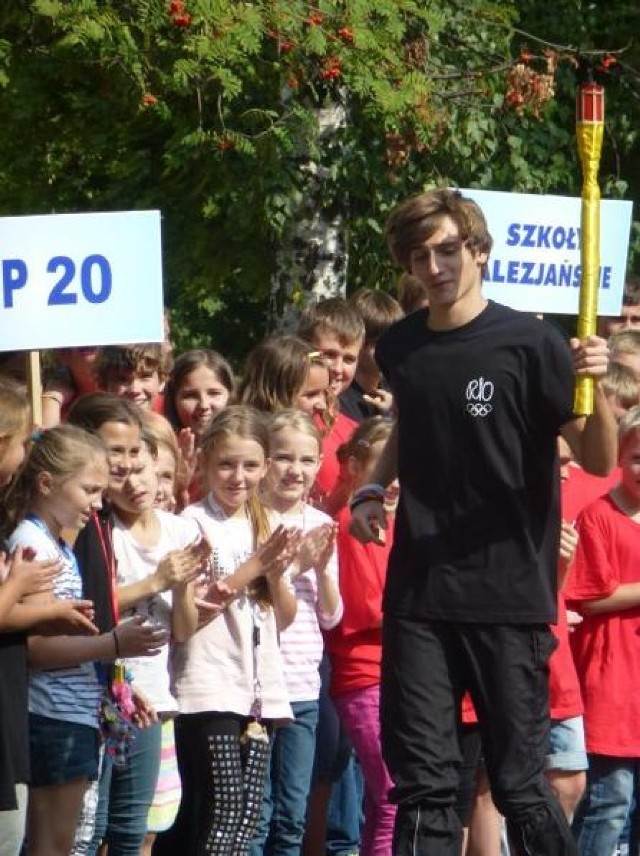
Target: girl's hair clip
{"x": 363, "y": 442}
{"x": 36, "y": 435}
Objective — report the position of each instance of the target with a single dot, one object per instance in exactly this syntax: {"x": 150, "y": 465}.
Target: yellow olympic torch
{"x": 589, "y": 132}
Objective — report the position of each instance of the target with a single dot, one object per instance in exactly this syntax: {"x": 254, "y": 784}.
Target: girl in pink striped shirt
{"x": 294, "y": 453}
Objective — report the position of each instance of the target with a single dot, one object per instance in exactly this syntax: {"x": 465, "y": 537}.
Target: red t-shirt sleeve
{"x": 593, "y": 575}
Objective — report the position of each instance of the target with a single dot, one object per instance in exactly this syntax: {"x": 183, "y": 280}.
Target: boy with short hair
{"x": 412, "y": 294}
{"x": 625, "y": 349}
{"x": 605, "y": 588}
{"x": 135, "y": 372}
{"x": 629, "y": 317}
{"x": 367, "y": 395}
{"x": 622, "y": 389}
{"x": 335, "y": 328}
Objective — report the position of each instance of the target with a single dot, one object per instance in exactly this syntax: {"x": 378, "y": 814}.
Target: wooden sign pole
{"x": 34, "y": 381}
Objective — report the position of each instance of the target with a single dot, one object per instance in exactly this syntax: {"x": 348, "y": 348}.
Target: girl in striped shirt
{"x": 56, "y": 492}
{"x": 294, "y": 460}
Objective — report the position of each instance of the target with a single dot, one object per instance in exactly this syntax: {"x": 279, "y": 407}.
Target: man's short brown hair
{"x": 413, "y": 222}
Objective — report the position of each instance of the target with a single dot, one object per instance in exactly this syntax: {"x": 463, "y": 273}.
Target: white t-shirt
{"x": 72, "y": 694}
{"x": 135, "y": 562}
{"x": 215, "y": 669}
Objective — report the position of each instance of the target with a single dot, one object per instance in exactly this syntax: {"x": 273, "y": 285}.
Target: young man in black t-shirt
{"x": 482, "y": 393}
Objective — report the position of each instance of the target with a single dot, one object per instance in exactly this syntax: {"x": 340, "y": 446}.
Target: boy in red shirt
{"x": 336, "y": 329}
{"x": 605, "y": 588}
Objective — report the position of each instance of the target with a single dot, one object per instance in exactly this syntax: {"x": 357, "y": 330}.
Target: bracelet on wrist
{"x": 371, "y": 487}
{"x": 360, "y": 500}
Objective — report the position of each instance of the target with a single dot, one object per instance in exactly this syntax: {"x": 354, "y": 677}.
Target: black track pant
{"x": 426, "y": 667}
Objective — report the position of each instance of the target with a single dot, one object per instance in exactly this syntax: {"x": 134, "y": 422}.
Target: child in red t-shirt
{"x": 335, "y": 328}
{"x": 355, "y": 645}
{"x": 605, "y": 588}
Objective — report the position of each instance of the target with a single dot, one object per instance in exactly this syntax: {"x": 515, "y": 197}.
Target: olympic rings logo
{"x": 479, "y": 409}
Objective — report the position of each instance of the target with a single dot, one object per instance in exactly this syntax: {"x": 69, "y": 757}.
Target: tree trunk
{"x": 311, "y": 263}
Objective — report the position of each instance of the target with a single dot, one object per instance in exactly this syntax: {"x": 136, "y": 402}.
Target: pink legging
{"x": 359, "y": 712}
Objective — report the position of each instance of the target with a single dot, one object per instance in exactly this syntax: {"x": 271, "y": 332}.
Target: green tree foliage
{"x": 206, "y": 108}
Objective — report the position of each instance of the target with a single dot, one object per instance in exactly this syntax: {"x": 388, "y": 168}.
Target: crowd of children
{"x": 185, "y": 616}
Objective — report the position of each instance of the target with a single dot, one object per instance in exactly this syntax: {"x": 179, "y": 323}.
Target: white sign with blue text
{"x": 535, "y": 261}
{"x": 80, "y": 279}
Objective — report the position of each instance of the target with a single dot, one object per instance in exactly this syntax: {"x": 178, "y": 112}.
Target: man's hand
{"x": 590, "y": 356}
{"x": 369, "y": 522}
{"x": 381, "y": 399}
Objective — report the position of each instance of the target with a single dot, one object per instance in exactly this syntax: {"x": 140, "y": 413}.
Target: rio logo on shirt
{"x": 479, "y": 394}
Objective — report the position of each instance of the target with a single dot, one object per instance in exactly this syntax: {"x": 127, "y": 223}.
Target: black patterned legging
{"x": 223, "y": 780}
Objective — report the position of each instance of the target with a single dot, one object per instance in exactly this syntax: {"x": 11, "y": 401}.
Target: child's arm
{"x": 279, "y": 546}
{"x": 131, "y": 638}
{"x": 190, "y": 460}
{"x": 178, "y": 568}
{"x": 184, "y": 613}
{"x": 282, "y": 594}
{"x": 330, "y": 607}
{"x": 317, "y": 552}
{"x": 52, "y": 618}
{"x": 568, "y": 545}
{"x": 283, "y": 599}
{"x": 21, "y": 578}
{"x": 261, "y": 562}
{"x": 626, "y": 596}
{"x": 53, "y": 399}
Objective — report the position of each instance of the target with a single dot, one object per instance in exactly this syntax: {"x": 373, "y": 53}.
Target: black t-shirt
{"x": 479, "y": 410}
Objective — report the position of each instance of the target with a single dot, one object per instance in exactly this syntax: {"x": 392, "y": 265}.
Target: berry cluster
{"x": 528, "y": 88}
{"x": 331, "y": 68}
{"x": 346, "y": 34}
{"x": 179, "y": 16}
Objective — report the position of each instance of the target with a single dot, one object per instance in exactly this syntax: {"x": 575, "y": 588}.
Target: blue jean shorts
{"x": 567, "y": 746}
{"x": 61, "y": 752}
